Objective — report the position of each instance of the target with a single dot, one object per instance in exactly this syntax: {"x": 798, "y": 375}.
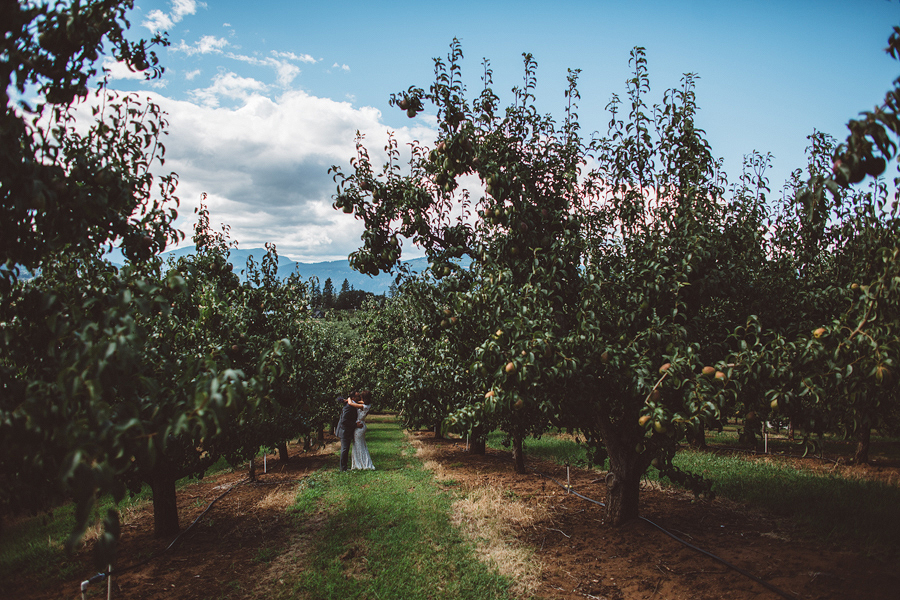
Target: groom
{"x": 345, "y": 429}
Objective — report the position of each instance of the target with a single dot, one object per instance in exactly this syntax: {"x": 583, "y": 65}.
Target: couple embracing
{"x": 351, "y": 429}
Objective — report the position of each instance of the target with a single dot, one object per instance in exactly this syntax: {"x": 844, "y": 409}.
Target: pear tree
{"x": 519, "y": 234}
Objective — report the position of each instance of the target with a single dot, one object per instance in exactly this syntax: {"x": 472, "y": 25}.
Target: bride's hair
{"x": 365, "y": 397}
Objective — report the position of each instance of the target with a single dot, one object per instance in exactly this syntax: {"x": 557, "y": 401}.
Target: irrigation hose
{"x": 762, "y": 582}
{"x": 736, "y": 568}
{"x": 101, "y": 576}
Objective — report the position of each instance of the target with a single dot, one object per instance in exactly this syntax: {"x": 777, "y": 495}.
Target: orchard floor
{"x": 223, "y": 553}
{"x": 584, "y": 558}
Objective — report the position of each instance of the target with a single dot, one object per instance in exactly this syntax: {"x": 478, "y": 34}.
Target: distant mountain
{"x": 337, "y": 270}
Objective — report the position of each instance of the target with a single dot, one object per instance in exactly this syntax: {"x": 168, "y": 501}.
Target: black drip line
{"x": 743, "y": 572}
{"x": 569, "y": 489}
{"x": 103, "y": 575}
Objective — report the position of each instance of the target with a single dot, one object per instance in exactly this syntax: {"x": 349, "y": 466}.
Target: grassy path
{"x": 384, "y": 534}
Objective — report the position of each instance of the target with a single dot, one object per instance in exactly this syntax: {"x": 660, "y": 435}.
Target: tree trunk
{"x": 863, "y": 440}
{"x": 623, "y": 483}
{"x": 283, "y": 452}
{"x": 251, "y": 474}
{"x": 477, "y": 442}
{"x": 165, "y": 507}
{"x": 697, "y": 439}
{"x": 437, "y": 431}
{"x": 518, "y": 453}
{"x": 307, "y": 443}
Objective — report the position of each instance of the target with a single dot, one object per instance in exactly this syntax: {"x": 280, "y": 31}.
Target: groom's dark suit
{"x": 346, "y": 428}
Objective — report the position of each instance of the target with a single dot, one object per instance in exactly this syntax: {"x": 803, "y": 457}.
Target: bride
{"x": 361, "y": 458}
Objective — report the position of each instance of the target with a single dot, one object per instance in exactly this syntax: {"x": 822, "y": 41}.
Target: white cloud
{"x": 291, "y": 56}
{"x": 208, "y": 44}
{"x": 285, "y": 71}
{"x": 157, "y": 20}
{"x": 342, "y": 67}
{"x": 190, "y": 75}
{"x": 229, "y": 85}
{"x": 264, "y": 164}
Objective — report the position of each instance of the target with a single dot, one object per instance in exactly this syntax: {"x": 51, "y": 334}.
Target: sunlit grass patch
{"x": 559, "y": 448}
{"x": 492, "y": 520}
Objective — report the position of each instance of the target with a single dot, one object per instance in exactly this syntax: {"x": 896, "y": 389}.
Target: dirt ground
{"x": 584, "y": 558}
{"x": 213, "y": 559}
{"x": 581, "y": 556}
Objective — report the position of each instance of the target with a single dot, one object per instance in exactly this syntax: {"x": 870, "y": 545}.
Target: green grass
{"x": 265, "y": 555}
{"x": 387, "y": 533}
{"x": 547, "y": 447}
{"x": 883, "y": 447}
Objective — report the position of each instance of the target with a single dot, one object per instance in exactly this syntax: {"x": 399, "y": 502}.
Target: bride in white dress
{"x": 360, "y": 456}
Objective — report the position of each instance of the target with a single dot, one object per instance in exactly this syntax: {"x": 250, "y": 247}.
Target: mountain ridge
{"x": 336, "y": 270}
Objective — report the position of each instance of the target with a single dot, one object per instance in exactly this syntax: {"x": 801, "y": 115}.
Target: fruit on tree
{"x": 643, "y": 420}
{"x": 510, "y": 367}
{"x": 664, "y": 368}
{"x": 709, "y": 371}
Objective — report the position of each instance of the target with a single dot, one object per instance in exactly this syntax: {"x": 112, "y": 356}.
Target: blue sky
{"x": 263, "y": 97}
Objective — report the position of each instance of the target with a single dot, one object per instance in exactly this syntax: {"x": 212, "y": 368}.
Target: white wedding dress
{"x": 360, "y": 456}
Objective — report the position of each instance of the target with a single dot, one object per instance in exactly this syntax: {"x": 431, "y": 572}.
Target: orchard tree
{"x": 669, "y": 271}
{"x": 279, "y": 314}
{"x": 520, "y": 235}
{"x": 832, "y": 366}
{"x": 600, "y": 299}
{"x": 421, "y": 346}
{"x": 60, "y": 191}
{"x": 376, "y": 360}
{"x": 858, "y": 352}
{"x": 204, "y": 391}
{"x": 68, "y": 191}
